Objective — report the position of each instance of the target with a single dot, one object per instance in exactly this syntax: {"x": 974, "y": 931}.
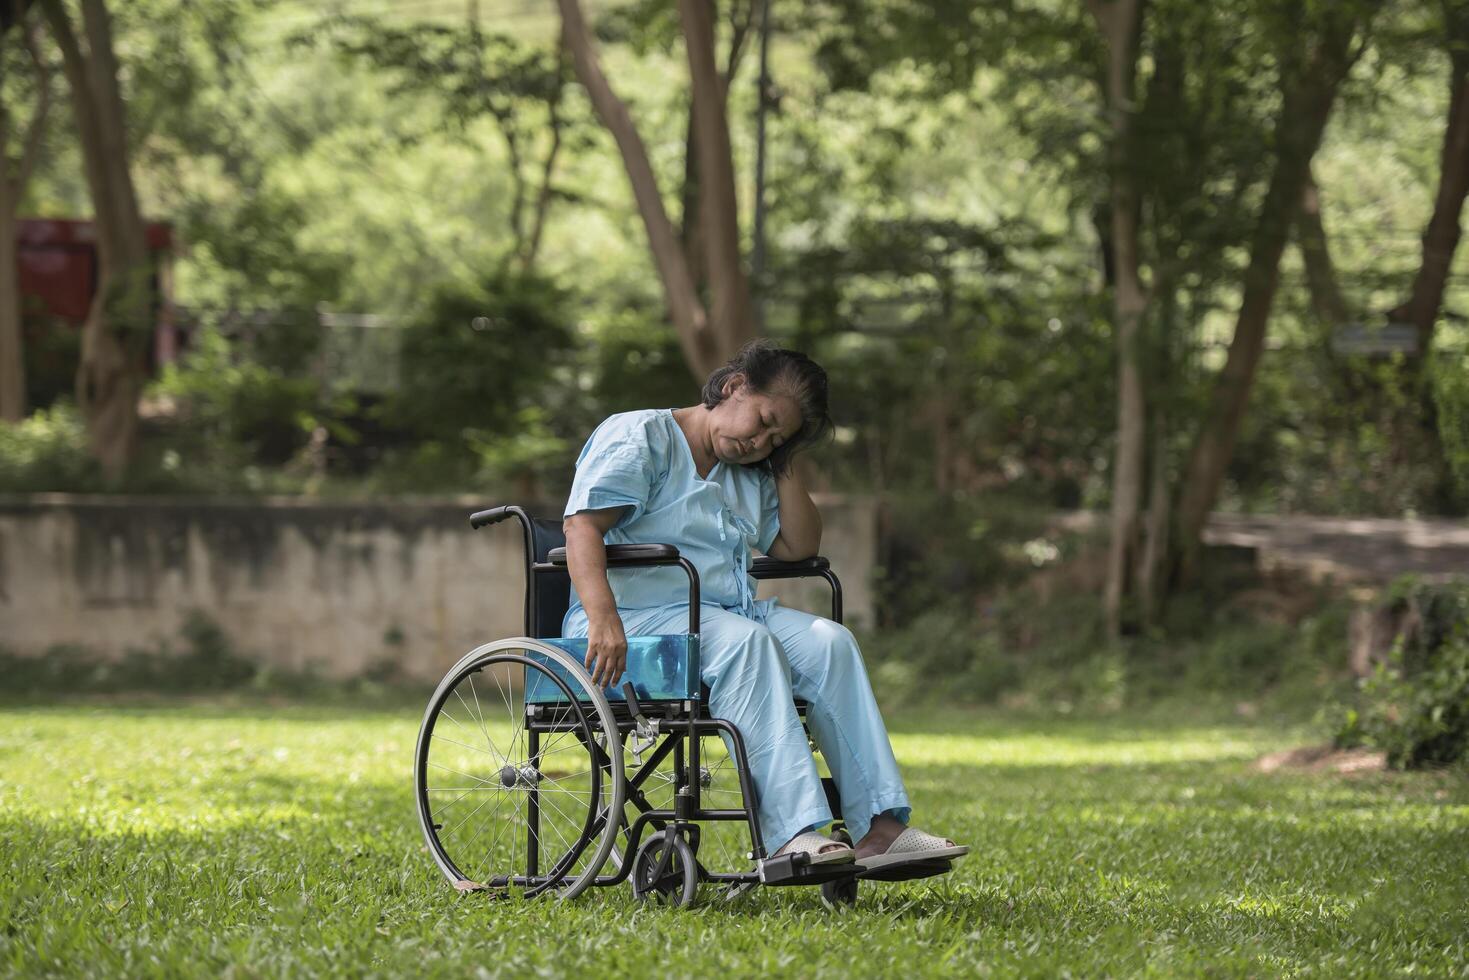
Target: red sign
{"x": 57, "y": 261}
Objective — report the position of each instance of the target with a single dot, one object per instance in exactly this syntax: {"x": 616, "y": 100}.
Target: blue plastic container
{"x": 661, "y": 668}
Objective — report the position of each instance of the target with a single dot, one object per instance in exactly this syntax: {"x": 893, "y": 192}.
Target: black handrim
{"x": 585, "y": 736}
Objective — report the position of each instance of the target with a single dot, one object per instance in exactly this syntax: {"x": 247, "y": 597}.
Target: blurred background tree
{"x": 1044, "y": 248}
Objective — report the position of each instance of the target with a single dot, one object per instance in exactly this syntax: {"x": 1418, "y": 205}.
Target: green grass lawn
{"x": 282, "y": 841}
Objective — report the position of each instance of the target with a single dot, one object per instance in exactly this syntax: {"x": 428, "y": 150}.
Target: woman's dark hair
{"x": 769, "y": 369}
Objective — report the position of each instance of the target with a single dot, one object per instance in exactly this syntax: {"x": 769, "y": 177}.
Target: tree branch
{"x": 700, "y": 349}
{"x": 729, "y": 292}
{"x": 739, "y": 32}
{"x": 1441, "y": 234}
{"x": 543, "y": 197}
{"x": 36, "y": 129}
{"x": 1326, "y": 296}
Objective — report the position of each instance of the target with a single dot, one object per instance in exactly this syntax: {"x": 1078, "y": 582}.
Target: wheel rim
{"x": 675, "y": 885}
{"x": 492, "y": 795}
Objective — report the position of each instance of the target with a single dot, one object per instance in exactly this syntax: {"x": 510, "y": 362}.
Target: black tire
{"x": 841, "y": 891}
{"x": 485, "y": 797}
{"x": 678, "y": 885}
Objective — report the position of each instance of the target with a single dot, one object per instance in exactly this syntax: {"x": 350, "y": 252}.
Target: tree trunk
{"x": 12, "y": 349}
{"x": 701, "y": 348}
{"x": 1441, "y": 237}
{"x": 1120, "y": 22}
{"x": 690, "y": 230}
{"x": 729, "y": 291}
{"x": 12, "y": 12}
{"x": 1151, "y": 562}
{"x": 532, "y": 248}
{"x": 118, "y": 328}
{"x": 1327, "y": 301}
{"x": 1309, "y": 93}
{"x": 14, "y": 175}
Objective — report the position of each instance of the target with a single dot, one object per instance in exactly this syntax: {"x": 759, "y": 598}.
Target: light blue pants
{"x": 753, "y": 672}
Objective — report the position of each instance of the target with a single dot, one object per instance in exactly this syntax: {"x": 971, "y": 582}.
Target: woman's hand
{"x": 800, "y": 521}
{"x": 606, "y": 649}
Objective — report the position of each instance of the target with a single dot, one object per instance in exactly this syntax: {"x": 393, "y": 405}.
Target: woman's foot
{"x": 879, "y": 837}
{"x": 819, "y": 848}
{"x": 888, "y": 842}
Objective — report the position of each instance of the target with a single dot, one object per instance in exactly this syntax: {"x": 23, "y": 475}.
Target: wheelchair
{"x": 519, "y": 767}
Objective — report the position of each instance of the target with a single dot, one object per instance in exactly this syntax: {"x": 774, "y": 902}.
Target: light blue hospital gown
{"x": 753, "y": 654}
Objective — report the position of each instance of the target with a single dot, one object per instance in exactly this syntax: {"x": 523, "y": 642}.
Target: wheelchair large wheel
{"x": 511, "y": 799}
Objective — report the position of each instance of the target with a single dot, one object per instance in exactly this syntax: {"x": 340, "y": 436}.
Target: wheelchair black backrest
{"x": 547, "y": 587}
{"x": 548, "y": 591}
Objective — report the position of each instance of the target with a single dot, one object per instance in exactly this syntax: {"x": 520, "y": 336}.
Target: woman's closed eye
{"x": 775, "y": 440}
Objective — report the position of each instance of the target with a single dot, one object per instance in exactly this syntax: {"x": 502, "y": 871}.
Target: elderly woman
{"x": 715, "y": 479}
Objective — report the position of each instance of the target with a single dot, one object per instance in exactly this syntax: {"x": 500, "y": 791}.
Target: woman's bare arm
{"x": 586, "y": 560}
{"x": 800, "y": 521}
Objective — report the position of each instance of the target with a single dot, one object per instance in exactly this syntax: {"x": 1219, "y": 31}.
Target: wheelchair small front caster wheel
{"x": 841, "y": 891}
{"x": 678, "y": 884}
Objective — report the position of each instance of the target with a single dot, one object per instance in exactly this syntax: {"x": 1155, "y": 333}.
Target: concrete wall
{"x": 337, "y": 588}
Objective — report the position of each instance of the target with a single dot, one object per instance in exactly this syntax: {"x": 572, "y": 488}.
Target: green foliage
{"x": 52, "y": 349}
{"x": 1011, "y": 613}
{"x": 1449, "y": 382}
{"x": 934, "y": 174}
{"x": 1415, "y": 705}
{"x": 944, "y": 341}
{"x": 636, "y": 362}
{"x": 474, "y": 73}
{"x": 47, "y": 451}
{"x": 475, "y": 382}
{"x": 233, "y": 410}
{"x": 471, "y": 75}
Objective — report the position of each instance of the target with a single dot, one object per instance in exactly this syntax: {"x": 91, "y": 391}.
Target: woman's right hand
{"x": 606, "y": 649}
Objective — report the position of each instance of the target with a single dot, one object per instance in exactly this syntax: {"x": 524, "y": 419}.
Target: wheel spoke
{"x": 516, "y": 719}
{"x": 466, "y": 775}
{"x": 471, "y": 813}
{"x": 472, "y": 748}
{"x": 477, "y": 712}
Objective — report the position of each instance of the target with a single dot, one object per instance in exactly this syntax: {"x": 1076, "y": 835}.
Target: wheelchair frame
{"x": 667, "y": 728}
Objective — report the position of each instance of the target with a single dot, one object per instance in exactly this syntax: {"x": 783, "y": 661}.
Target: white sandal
{"x": 914, "y": 845}
{"x": 811, "y": 843}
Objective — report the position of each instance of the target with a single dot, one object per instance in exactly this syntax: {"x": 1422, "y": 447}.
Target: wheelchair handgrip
{"x": 485, "y": 518}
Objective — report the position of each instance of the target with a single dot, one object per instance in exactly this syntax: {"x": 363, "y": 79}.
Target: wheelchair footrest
{"x": 797, "y": 869}
{"x": 908, "y": 871}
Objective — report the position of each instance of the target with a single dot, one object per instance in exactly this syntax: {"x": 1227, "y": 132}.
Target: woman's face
{"x": 747, "y": 427}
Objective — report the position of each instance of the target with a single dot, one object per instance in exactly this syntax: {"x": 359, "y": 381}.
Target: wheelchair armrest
{"x": 626, "y": 554}
{"x": 764, "y": 567}
{"x": 631, "y": 555}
